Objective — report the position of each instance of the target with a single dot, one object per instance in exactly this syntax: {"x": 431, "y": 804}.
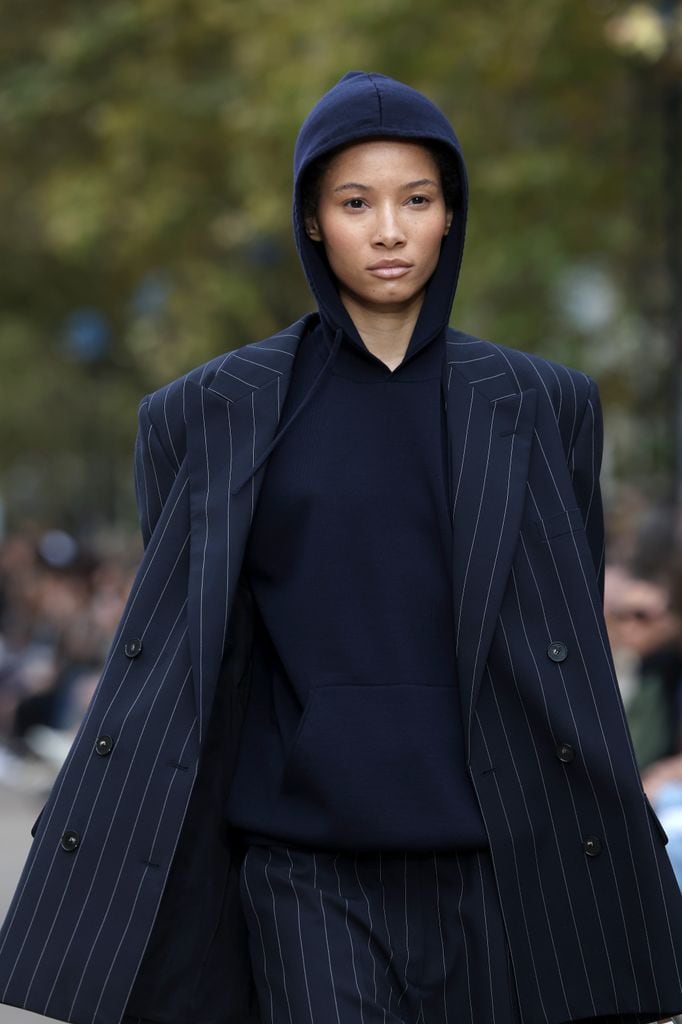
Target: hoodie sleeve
{"x": 585, "y": 464}
{"x": 154, "y": 472}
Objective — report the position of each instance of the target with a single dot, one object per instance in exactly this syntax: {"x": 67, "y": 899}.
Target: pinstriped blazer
{"x": 128, "y": 904}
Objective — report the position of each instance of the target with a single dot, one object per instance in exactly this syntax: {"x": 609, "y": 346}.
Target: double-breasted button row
{"x": 132, "y": 647}
{"x": 557, "y": 651}
{"x": 70, "y": 841}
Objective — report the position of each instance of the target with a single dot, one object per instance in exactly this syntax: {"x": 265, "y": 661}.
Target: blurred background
{"x": 145, "y": 179}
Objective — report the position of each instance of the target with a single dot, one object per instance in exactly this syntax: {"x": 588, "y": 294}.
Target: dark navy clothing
{"x": 353, "y": 735}
{"x": 379, "y": 939}
{"x": 363, "y": 106}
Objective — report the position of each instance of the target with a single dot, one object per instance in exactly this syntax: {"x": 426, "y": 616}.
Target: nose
{"x": 388, "y": 229}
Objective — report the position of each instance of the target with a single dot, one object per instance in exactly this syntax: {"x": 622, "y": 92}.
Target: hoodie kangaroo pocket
{"x": 373, "y": 764}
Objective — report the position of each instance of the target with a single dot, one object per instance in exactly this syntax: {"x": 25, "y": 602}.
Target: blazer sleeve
{"x": 585, "y": 464}
{"x": 154, "y": 472}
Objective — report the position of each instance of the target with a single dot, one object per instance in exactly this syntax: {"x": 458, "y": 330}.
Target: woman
{"x": 358, "y": 753}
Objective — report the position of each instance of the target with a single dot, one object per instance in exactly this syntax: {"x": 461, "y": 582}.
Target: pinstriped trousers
{"x": 385, "y": 938}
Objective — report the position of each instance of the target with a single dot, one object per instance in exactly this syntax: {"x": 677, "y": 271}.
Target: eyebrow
{"x": 355, "y": 186}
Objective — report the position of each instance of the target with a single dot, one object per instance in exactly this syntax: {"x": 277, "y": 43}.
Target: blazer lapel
{"x": 490, "y": 425}
{"x": 229, "y": 423}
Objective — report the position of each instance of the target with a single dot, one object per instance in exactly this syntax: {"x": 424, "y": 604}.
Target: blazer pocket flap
{"x": 568, "y": 521}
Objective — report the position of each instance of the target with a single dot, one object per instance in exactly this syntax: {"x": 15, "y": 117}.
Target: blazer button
{"x": 132, "y": 647}
{"x": 70, "y": 841}
{"x": 557, "y": 651}
{"x": 592, "y": 846}
{"x": 104, "y": 745}
{"x": 565, "y": 752}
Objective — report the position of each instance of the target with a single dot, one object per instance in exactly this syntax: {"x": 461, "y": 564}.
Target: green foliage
{"x": 146, "y": 174}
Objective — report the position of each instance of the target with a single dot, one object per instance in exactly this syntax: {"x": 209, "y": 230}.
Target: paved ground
{"x": 18, "y": 810}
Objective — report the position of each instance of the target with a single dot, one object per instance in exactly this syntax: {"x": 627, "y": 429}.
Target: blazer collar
{"x": 259, "y": 364}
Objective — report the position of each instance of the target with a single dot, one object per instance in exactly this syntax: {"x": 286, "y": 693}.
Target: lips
{"x": 390, "y": 268}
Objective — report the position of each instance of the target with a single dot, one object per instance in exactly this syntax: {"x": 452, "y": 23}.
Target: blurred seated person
{"x": 74, "y": 620}
{"x": 646, "y": 621}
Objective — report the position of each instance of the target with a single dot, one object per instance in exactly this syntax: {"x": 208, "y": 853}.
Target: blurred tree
{"x": 145, "y": 185}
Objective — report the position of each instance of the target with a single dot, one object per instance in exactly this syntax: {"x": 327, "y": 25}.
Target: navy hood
{"x": 360, "y": 106}
{"x": 364, "y": 105}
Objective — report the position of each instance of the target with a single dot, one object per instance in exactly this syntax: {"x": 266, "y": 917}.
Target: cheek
{"x": 341, "y": 244}
{"x": 430, "y": 244}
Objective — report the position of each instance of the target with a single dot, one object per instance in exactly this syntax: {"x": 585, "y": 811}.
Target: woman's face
{"x": 381, "y": 217}
{"x": 643, "y": 618}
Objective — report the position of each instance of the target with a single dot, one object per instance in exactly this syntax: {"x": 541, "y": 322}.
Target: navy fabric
{"x": 382, "y": 939}
{"x": 349, "y": 560}
{"x": 362, "y": 106}
{"x": 365, "y": 106}
{"x": 99, "y": 933}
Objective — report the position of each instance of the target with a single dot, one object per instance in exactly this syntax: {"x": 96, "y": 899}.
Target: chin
{"x": 394, "y": 299}
{"x": 391, "y": 299}
{"x": 399, "y": 290}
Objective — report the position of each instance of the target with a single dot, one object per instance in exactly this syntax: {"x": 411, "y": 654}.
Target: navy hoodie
{"x": 353, "y": 735}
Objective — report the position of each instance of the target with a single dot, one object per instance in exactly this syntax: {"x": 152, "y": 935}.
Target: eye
{"x": 356, "y": 203}
{"x": 418, "y": 200}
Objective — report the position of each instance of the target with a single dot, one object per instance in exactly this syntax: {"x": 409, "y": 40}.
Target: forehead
{"x": 383, "y": 159}
{"x": 645, "y": 593}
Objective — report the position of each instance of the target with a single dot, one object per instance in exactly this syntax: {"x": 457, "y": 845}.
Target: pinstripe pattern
{"x": 342, "y": 961}
{"x": 588, "y": 935}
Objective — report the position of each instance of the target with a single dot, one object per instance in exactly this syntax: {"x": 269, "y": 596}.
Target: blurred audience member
{"x": 645, "y": 622}
{"x": 59, "y": 606}
{"x": 617, "y": 580}
{"x": 645, "y": 626}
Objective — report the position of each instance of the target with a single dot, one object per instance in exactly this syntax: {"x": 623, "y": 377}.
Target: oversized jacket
{"x": 128, "y": 904}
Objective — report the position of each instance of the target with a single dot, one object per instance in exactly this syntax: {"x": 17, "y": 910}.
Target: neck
{"x": 386, "y": 333}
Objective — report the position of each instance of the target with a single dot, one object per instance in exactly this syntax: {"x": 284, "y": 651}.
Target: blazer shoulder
{"x": 165, "y": 407}
{"x": 563, "y": 390}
